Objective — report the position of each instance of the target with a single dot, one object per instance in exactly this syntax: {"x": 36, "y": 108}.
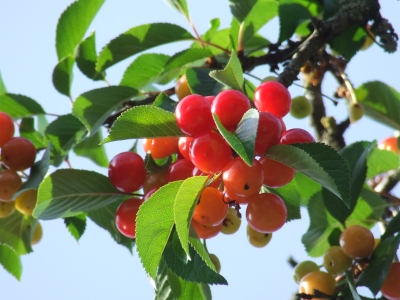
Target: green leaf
{"x": 185, "y": 201}
{"x": 249, "y": 89}
{"x": 93, "y": 108}
{"x": 214, "y": 25}
{"x": 165, "y": 102}
{"x": 319, "y": 162}
{"x": 291, "y": 15}
{"x": 91, "y": 149}
{"x": 3, "y": 89}
{"x": 179, "y": 5}
{"x": 27, "y": 130}
{"x": 105, "y": 218}
{"x": 244, "y": 136}
{"x": 154, "y": 223}
{"x": 144, "y": 70}
{"x": 200, "y": 249}
{"x": 350, "y": 282}
{"x": 380, "y": 161}
{"x": 37, "y": 173}
{"x": 10, "y": 261}
{"x": 16, "y": 231}
{"x": 322, "y": 224}
{"x": 201, "y": 83}
{"x": 138, "y": 39}
{"x": 222, "y": 39}
{"x": 392, "y": 227}
{"x": 241, "y": 8}
{"x": 375, "y": 202}
{"x": 73, "y": 24}
{"x": 143, "y": 122}
{"x": 19, "y": 106}
{"x": 234, "y": 30}
{"x": 86, "y": 57}
{"x": 232, "y": 75}
{"x": 382, "y": 257}
{"x": 62, "y": 75}
{"x": 381, "y": 102}
{"x": 70, "y": 192}
{"x": 63, "y": 133}
{"x": 195, "y": 270}
{"x": 76, "y": 225}
{"x": 187, "y": 56}
{"x": 349, "y": 42}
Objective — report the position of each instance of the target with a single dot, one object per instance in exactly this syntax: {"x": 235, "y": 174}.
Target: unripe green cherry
{"x": 356, "y": 112}
{"x": 258, "y": 239}
{"x": 303, "y": 269}
{"x": 216, "y": 262}
{"x": 301, "y": 107}
{"x": 335, "y": 261}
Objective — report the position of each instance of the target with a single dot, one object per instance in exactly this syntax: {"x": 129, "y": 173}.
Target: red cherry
{"x": 125, "y": 217}
{"x": 296, "y": 136}
{"x": 276, "y": 174}
{"x": 206, "y": 232}
{"x": 210, "y": 153}
{"x": 18, "y": 153}
{"x": 389, "y": 144}
{"x": 233, "y": 197}
{"x": 230, "y": 106}
{"x": 183, "y": 145}
{"x": 180, "y": 170}
{"x": 269, "y": 131}
{"x": 6, "y": 128}
{"x": 126, "y": 172}
{"x": 211, "y": 209}
{"x": 273, "y": 97}
{"x": 193, "y": 115}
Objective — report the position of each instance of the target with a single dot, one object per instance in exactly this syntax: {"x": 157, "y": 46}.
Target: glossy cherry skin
{"x": 183, "y": 145}
{"x": 357, "y": 241}
{"x": 391, "y": 287}
{"x": 10, "y": 183}
{"x": 193, "y": 115}
{"x": 127, "y": 172}
{"x": 229, "y": 106}
{"x": 211, "y": 209}
{"x": 160, "y": 147}
{"x": 296, "y": 136}
{"x": 182, "y": 88}
{"x": 153, "y": 180}
{"x": 269, "y": 132}
{"x": 318, "y": 280}
{"x": 18, "y": 154}
{"x": 273, "y": 97}
{"x": 125, "y": 216}
{"x": 210, "y": 153}
{"x": 206, "y": 232}
{"x": 390, "y": 144}
{"x": 6, "y": 128}
{"x": 180, "y": 170}
{"x": 276, "y": 174}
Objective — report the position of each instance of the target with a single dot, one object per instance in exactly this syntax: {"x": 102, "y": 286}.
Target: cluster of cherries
{"x": 203, "y": 151}
{"x": 356, "y": 246}
{"x": 17, "y": 154}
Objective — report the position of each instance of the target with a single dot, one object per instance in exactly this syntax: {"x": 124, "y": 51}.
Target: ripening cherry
{"x": 391, "y": 287}
{"x": 273, "y": 97}
{"x": 184, "y": 145}
{"x": 211, "y": 209}
{"x": 357, "y": 241}
{"x": 242, "y": 179}
{"x": 180, "y": 170}
{"x": 18, "y": 154}
{"x": 157, "y": 179}
{"x": 266, "y": 212}
{"x": 258, "y": 239}
{"x": 6, "y": 209}
{"x": 231, "y": 223}
{"x": 37, "y": 234}
{"x": 283, "y": 125}
{"x": 126, "y": 172}
{"x": 335, "y": 261}
{"x": 389, "y": 144}
{"x": 205, "y": 232}
{"x": 317, "y": 280}
{"x": 303, "y": 269}
{"x": 276, "y": 174}
{"x": 269, "y": 132}
{"x": 26, "y": 202}
{"x": 193, "y": 115}
{"x": 125, "y": 216}
{"x": 296, "y": 136}
{"x": 182, "y": 88}
{"x": 149, "y": 193}
{"x": 216, "y": 262}
{"x": 10, "y": 183}
{"x": 210, "y": 99}
{"x": 160, "y": 147}
{"x": 6, "y": 128}
{"x": 230, "y": 196}
{"x": 229, "y": 106}
{"x": 210, "y": 153}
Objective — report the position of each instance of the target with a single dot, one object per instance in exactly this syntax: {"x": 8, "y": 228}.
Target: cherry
{"x": 357, "y": 241}
{"x": 232, "y": 221}
{"x": 37, "y": 234}
{"x": 18, "y": 154}
{"x": 211, "y": 209}
{"x": 126, "y": 172}
{"x": 210, "y": 99}
{"x": 233, "y": 197}
{"x": 335, "y": 261}
{"x": 273, "y": 97}
{"x": 212, "y": 182}
{"x": 389, "y": 144}
{"x": 215, "y": 261}
{"x": 276, "y": 174}
{"x": 180, "y": 170}
{"x": 6, "y": 209}
{"x": 26, "y": 202}
{"x": 182, "y": 88}
{"x": 303, "y": 269}
{"x": 210, "y": 153}
{"x": 258, "y": 239}
{"x": 296, "y": 136}
{"x": 160, "y": 147}
{"x": 205, "y": 232}
{"x": 390, "y": 287}
{"x": 10, "y": 183}
{"x": 266, "y": 212}
{"x": 269, "y": 132}
{"x": 229, "y": 106}
{"x": 183, "y": 146}
{"x": 301, "y": 107}
{"x": 125, "y": 216}
{"x": 149, "y": 193}
{"x": 193, "y": 115}
{"x": 6, "y": 128}
{"x": 157, "y": 179}
{"x": 241, "y": 179}
{"x": 317, "y": 280}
